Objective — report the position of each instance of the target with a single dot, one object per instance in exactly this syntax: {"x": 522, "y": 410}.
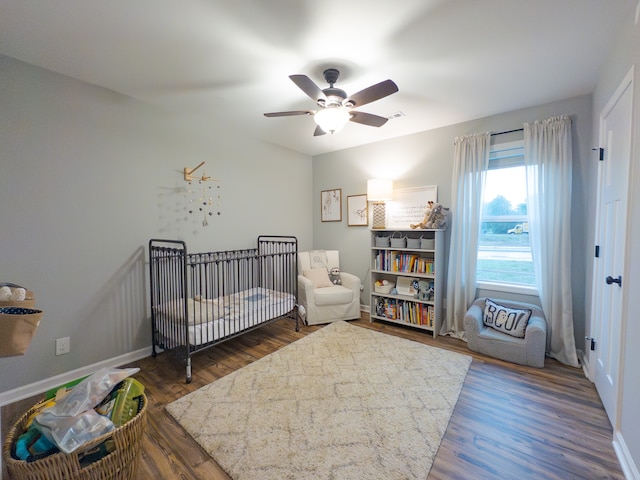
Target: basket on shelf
{"x": 398, "y": 242}
{"x": 427, "y": 243}
{"x": 382, "y": 241}
{"x": 119, "y": 464}
{"x": 386, "y": 289}
{"x": 413, "y": 242}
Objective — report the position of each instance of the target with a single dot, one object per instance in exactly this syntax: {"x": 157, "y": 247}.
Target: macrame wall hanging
{"x": 203, "y": 195}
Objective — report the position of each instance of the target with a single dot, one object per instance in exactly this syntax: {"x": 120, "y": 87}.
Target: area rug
{"x": 342, "y": 403}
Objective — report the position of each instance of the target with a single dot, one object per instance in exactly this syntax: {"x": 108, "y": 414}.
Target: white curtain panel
{"x": 548, "y": 157}
{"x": 471, "y": 162}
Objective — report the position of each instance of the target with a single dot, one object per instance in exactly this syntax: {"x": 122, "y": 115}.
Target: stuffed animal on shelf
{"x": 425, "y": 290}
{"x": 334, "y": 276}
{"x": 427, "y": 212}
{"x": 438, "y": 217}
{"x": 415, "y": 285}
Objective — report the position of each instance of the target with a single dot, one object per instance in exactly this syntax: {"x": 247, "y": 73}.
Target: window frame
{"x": 505, "y": 155}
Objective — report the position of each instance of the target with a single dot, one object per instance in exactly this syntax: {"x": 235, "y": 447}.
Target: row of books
{"x": 404, "y": 311}
{"x": 393, "y": 261}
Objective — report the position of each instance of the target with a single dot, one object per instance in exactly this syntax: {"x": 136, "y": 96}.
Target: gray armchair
{"x": 529, "y": 350}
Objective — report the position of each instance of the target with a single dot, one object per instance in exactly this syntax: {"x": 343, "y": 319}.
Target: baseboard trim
{"x": 584, "y": 364}
{"x": 41, "y": 386}
{"x": 629, "y": 468}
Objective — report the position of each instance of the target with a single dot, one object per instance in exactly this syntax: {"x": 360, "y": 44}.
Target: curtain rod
{"x": 507, "y": 131}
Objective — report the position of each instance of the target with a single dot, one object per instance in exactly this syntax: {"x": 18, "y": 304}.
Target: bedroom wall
{"x": 426, "y": 158}
{"x": 624, "y": 56}
{"x": 87, "y": 177}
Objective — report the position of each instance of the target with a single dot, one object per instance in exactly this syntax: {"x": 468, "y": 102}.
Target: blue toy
{"x": 32, "y": 445}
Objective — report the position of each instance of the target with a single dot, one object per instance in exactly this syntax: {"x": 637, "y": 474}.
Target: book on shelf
{"x": 395, "y": 261}
{"x": 406, "y": 311}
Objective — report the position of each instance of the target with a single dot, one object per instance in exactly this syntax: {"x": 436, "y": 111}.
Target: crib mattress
{"x": 214, "y": 319}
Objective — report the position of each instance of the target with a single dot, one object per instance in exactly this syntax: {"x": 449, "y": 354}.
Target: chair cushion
{"x": 319, "y": 277}
{"x": 512, "y": 321}
{"x": 334, "y": 295}
{"x": 494, "y": 336}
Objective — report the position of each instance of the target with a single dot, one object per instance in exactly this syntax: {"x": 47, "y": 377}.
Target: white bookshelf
{"x": 418, "y": 263}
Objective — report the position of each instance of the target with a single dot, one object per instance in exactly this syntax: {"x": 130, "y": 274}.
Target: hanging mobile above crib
{"x": 202, "y": 197}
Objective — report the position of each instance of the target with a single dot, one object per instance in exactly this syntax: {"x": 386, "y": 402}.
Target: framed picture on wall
{"x": 331, "y": 205}
{"x": 409, "y": 205}
{"x": 357, "y": 212}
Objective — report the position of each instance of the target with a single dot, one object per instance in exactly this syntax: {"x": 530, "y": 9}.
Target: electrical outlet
{"x": 63, "y": 345}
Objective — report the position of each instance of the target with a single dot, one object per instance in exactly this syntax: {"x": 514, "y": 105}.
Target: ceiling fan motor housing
{"x": 331, "y": 75}
{"x": 335, "y": 96}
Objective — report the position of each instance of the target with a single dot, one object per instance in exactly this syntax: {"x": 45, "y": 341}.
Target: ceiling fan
{"x": 335, "y": 106}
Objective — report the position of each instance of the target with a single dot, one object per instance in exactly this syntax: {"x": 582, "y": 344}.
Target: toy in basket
{"x": 12, "y": 295}
{"x": 384, "y": 286}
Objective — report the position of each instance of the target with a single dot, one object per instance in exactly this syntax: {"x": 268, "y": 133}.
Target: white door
{"x": 608, "y": 282}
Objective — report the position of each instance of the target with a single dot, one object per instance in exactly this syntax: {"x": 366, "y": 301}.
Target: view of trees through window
{"x": 504, "y": 251}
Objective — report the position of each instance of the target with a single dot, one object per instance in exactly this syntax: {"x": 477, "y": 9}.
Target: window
{"x": 504, "y": 250}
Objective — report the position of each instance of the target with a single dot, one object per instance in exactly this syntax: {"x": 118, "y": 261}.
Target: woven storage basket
{"x": 120, "y": 464}
{"x": 384, "y": 288}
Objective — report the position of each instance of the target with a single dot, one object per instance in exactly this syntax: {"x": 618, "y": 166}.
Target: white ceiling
{"x": 229, "y": 60}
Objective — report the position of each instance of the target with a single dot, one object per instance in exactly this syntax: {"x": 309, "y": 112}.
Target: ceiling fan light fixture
{"x": 332, "y": 119}
{"x": 336, "y": 108}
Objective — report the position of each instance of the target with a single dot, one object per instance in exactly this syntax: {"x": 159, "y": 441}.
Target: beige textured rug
{"x": 344, "y": 402}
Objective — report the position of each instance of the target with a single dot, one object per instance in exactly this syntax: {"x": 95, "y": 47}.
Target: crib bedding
{"x": 213, "y": 319}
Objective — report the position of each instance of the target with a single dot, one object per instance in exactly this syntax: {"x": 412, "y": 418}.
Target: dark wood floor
{"x": 510, "y": 422}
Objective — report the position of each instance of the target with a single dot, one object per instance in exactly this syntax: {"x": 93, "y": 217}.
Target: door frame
{"x": 596, "y": 280}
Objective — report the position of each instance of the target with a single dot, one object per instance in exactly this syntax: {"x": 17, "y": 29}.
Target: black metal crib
{"x": 199, "y": 300}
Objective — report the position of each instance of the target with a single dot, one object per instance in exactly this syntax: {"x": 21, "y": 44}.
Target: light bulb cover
{"x": 332, "y": 119}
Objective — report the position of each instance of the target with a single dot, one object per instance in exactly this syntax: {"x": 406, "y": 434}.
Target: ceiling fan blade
{"x": 372, "y": 93}
{"x": 308, "y": 86}
{"x": 318, "y": 131}
{"x": 288, "y": 114}
{"x": 367, "y": 119}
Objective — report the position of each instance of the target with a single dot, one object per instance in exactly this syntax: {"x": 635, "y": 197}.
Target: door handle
{"x": 611, "y": 280}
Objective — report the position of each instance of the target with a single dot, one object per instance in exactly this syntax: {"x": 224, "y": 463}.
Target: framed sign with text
{"x": 409, "y": 205}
